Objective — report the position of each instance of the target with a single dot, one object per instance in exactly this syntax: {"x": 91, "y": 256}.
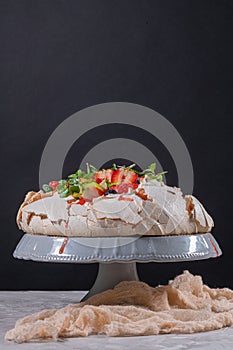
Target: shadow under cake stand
{"x": 117, "y": 256}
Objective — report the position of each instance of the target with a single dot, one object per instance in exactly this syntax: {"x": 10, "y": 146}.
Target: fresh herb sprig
{"x": 150, "y": 172}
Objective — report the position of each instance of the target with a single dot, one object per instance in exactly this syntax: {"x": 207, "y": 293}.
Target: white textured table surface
{"x": 14, "y": 305}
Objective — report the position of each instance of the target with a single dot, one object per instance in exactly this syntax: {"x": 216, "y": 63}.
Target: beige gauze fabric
{"x": 133, "y": 308}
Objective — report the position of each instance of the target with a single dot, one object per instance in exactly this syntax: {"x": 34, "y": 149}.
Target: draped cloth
{"x": 132, "y": 308}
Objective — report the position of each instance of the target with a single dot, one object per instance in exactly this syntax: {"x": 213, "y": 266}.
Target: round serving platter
{"x": 117, "y": 249}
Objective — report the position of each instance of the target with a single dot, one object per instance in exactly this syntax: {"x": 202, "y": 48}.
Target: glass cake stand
{"x": 117, "y": 256}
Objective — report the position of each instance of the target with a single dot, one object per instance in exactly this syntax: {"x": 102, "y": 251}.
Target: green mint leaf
{"x": 73, "y": 181}
{"x": 80, "y": 173}
{"x": 72, "y": 176}
{"x": 61, "y": 188}
{"x": 158, "y": 177}
{"x": 62, "y": 182}
{"x": 152, "y": 167}
{"x": 74, "y": 189}
{"x": 138, "y": 172}
{"x": 64, "y": 193}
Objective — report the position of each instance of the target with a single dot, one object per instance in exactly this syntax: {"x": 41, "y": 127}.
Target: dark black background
{"x": 58, "y": 57}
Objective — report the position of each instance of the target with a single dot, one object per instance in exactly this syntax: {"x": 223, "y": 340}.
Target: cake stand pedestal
{"x": 117, "y": 256}
{"x": 110, "y": 274}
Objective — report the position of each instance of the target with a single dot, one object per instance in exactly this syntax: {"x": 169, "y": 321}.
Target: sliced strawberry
{"x": 124, "y": 175}
{"x": 131, "y": 176}
{"x": 135, "y": 186}
{"x": 118, "y": 175}
{"x": 109, "y": 173}
{"x": 100, "y": 176}
{"x": 54, "y": 184}
{"x": 103, "y": 174}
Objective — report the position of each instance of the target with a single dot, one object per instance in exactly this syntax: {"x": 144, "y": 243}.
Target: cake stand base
{"x": 110, "y": 274}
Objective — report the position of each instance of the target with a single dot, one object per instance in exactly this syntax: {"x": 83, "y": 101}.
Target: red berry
{"x": 118, "y": 175}
{"x": 99, "y": 176}
{"x": 123, "y": 175}
{"x": 103, "y": 174}
{"x": 135, "y": 186}
{"x": 131, "y": 176}
{"x": 54, "y": 184}
{"x": 81, "y": 201}
{"x": 109, "y": 173}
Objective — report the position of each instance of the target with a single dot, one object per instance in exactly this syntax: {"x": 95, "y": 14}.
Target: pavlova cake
{"x": 118, "y": 201}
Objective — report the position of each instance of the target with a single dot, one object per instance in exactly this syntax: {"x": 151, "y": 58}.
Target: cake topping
{"x": 84, "y": 186}
{"x": 119, "y": 201}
